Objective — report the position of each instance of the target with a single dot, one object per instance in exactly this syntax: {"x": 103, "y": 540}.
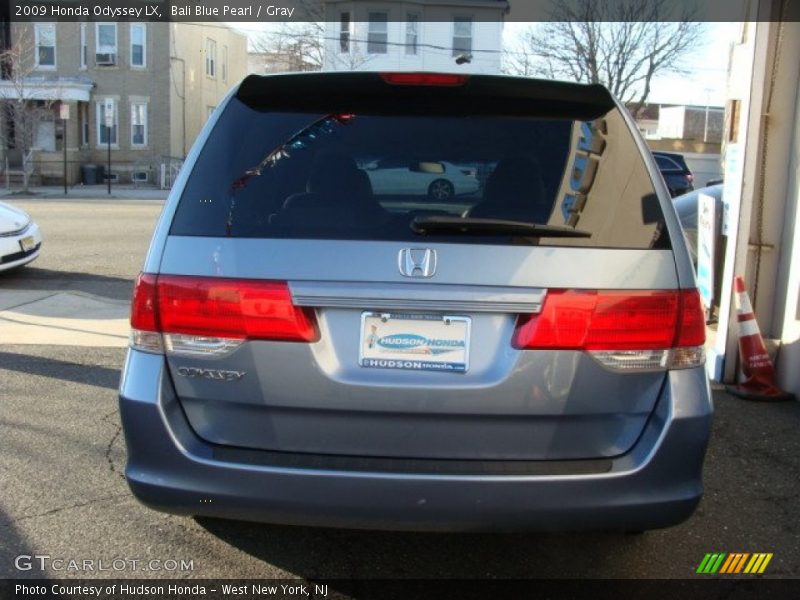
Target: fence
{"x": 160, "y": 171}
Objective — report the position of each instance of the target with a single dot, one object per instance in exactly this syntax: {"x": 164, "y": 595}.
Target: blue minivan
{"x": 306, "y": 349}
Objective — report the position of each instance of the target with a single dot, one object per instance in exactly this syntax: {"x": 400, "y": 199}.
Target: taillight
{"x": 432, "y": 79}
{"x": 624, "y": 330}
{"x": 208, "y": 315}
{"x": 143, "y": 306}
{"x": 144, "y": 316}
{"x": 690, "y": 178}
{"x": 692, "y": 323}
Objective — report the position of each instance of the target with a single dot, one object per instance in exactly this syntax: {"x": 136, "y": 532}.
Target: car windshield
{"x": 370, "y": 176}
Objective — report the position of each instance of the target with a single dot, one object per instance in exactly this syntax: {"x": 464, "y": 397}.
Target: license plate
{"x": 27, "y": 243}
{"x": 414, "y": 342}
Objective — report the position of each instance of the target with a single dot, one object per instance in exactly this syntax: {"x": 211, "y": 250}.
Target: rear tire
{"x": 441, "y": 189}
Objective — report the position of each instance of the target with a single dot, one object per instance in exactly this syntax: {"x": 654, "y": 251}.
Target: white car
{"x": 438, "y": 180}
{"x": 20, "y": 238}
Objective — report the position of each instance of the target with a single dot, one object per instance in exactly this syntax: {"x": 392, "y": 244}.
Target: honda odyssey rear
{"x": 524, "y": 352}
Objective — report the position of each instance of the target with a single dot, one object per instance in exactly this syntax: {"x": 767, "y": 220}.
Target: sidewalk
{"x": 63, "y": 319}
{"x": 80, "y": 192}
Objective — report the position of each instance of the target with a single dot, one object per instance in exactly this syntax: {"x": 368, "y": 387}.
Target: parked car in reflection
{"x": 675, "y": 171}
{"x": 20, "y": 238}
{"x": 439, "y": 180}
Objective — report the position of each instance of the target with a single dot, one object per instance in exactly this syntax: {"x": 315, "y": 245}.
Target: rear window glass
{"x": 373, "y": 176}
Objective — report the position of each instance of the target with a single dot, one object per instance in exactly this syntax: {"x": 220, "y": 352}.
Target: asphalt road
{"x": 62, "y": 492}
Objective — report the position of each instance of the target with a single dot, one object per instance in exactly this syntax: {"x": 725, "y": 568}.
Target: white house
{"x": 691, "y": 123}
{"x": 463, "y": 36}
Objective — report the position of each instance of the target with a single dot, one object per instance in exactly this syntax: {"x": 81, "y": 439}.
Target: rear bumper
{"x": 658, "y": 483}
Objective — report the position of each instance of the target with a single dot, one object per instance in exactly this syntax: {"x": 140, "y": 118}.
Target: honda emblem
{"x": 417, "y": 262}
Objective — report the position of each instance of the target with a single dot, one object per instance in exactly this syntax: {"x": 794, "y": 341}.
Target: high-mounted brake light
{"x": 624, "y": 330}
{"x": 209, "y": 315}
{"x": 432, "y": 79}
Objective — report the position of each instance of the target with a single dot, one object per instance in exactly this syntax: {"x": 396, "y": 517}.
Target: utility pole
{"x": 63, "y": 110}
{"x": 109, "y": 122}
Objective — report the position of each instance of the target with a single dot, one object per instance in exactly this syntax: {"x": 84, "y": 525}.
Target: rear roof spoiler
{"x": 370, "y": 93}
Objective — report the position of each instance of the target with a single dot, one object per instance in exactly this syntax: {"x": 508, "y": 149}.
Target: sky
{"x": 705, "y": 82}
{"x": 707, "y": 67}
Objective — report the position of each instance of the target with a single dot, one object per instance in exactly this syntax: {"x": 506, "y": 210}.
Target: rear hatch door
{"x": 414, "y": 354}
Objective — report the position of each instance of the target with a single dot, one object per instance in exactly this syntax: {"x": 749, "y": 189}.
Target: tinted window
{"x": 666, "y": 163}
{"x": 368, "y": 176}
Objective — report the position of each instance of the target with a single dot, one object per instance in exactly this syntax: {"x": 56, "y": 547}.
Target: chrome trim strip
{"x": 430, "y": 297}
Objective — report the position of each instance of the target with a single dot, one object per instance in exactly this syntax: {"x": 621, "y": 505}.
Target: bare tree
{"x": 293, "y": 47}
{"x": 352, "y": 59}
{"x": 19, "y": 110}
{"x": 301, "y": 46}
{"x": 622, "y": 44}
{"x": 521, "y": 58}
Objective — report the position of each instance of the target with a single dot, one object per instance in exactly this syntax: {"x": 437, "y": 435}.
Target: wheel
{"x": 440, "y": 189}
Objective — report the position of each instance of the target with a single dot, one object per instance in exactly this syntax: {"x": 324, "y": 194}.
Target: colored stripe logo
{"x": 734, "y": 563}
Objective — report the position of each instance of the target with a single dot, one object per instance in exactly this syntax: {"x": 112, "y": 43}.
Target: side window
{"x": 103, "y": 131}
{"x": 393, "y": 163}
{"x": 45, "y": 41}
{"x": 105, "y": 44}
{"x": 666, "y": 163}
{"x": 344, "y": 32}
{"x": 378, "y": 33}
{"x": 462, "y": 35}
{"x": 138, "y": 45}
{"x": 84, "y": 50}
{"x": 139, "y": 124}
{"x": 211, "y": 58}
{"x": 412, "y": 33}
{"x": 224, "y": 63}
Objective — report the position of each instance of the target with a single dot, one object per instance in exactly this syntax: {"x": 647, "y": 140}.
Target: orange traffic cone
{"x": 756, "y": 363}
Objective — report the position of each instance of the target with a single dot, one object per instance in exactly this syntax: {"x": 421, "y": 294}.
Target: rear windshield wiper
{"x": 475, "y": 226}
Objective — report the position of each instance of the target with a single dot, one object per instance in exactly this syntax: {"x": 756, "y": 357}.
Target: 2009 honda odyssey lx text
{"x": 524, "y": 352}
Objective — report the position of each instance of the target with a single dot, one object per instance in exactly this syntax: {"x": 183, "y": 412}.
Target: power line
{"x": 388, "y": 43}
{"x": 444, "y": 48}
{"x": 448, "y": 49}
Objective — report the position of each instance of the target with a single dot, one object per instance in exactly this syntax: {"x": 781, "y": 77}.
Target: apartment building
{"x": 158, "y": 82}
{"x": 464, "y": 36}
